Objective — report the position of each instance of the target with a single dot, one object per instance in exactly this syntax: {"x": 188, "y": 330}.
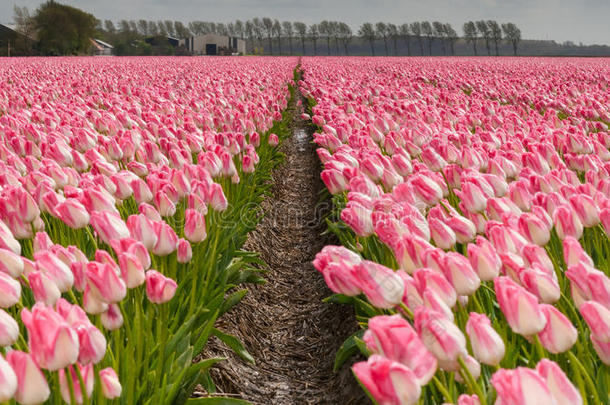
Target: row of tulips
{"x": 473, "y": 205}
{"x": 127, "y": 188}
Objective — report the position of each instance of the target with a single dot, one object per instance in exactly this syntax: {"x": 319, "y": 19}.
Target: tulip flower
{"x": 51, "y": 340}
{"x": 487, "y": 346}
{"x": 111, "y": 386}
{"x": 185, "y": 251}
{"x": 44, "y": 289}
{"x": 10, "y": 291}
{"x": 11, "y": 263}
{"x": 559, "y": 385}
{"x": 585, "y": 209}
{"x": 441, "y": 336}
{"x": 388, "y": 382}
{"x": 597, "y": 318}
{"x": 358, "y": 218}
{"x": 520, "y": 307}
{"x": 558, "y": 335}
{"x": 460, "y": 274}
{"x": 9, "y": 329}
{"x": 105, "y": 283}
{"x": 167, "y": 240}
{"x": 395, "y": 339}
{"x": 112, "y": 318}
{"x": 194, "y": 226}
{"x": 484, "y": 259}
{"x": 534, "y": 229}
{"x": 49, "y": 264}
{"x": 521, "y": 386}
{"x": 382, "y": 286}
{"x": 72, "y": 213}
{"x": 567, "y": 223}
{"x": 159, "y": 288}
{"x": 573, "y": 253}
{"x": 443, "y": 236}
{"x": 108, "y": 226}
{"x": 32, "y": 387}
{"x": 141, "y": 228}
{"x": 540, "y": 283}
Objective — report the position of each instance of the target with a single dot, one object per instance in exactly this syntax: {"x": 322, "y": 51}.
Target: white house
{"x": 212, "y": 44}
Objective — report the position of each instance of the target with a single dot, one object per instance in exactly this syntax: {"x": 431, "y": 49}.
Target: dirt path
{"x": 290, "y": 332}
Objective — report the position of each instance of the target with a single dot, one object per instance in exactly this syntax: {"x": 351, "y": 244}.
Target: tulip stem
{"x": 475, "y": 388}
{"x": 83, "y": 390}
{"x": 441, "y": 387}
{"x": 68, "y": 375}
{"x": 405, "y": 308}
{"x": 586, "y": 376}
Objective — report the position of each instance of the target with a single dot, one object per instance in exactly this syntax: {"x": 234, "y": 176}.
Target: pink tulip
{"x": 149, "y": 212}
{"x": 585, "y": 209}
{"x": 395, "y": 339}
{"x": 105, "y": 283}
{"x": 487, "y": 346}
{"x": 112, "y": 318}
{"x": 72, "y": 213}
{"x": 573, "y": 253}
{"x": 51, "y": 340}
{"x": 49, "y": 264}
{"x": 159, "y": 289}
{"x": 567, "y": 223}
{"x": 167, "y": 240}
{"x": 459, "y": 272}
{"x": 559, "y": 385}
{"x": 273, "y": 140}
{"x": 558, "y": 335}
{"x": 218, "y": 201}
{"x": 464, "y": 229}
{"x": 521, "y": 386}
{"x": 428, "y": 279}
{"x": 358, "y": 218}
{"x": 534, "y": 229}
{"x": 334, "y": 180}
{"x": 472, "y": 196}
{"x": 32, "y": 387}
{"x": 382, "y": 286}
{"x": 519, "y": 306}
{"x": 8, "y": 381}
{"x": 109, "y": 226}
{"x": 388, "y": 382}
{"x": 194, "y": 226}
{"x": 141, "y": 228}
{"x": 10, "y": 291}
{"x": 465, "y": 399}
{"x": 7, "y": 240}
{"x": 11, "y": 263}
{"x": 597, "y": 318}
{"x": 132, "y": 271}
{"x": 604, "y": 216}
{"x": 185, "y": 251}
{"x": 426, "y": 189}
{"x": 441, "y": 336}
{"x": 164, "y": 204}
{"x": 443, "y": 236}
{"x": 9, "y": 329}
{"x": 484, "y": 259}
{"x": 540, "y": 283}
{"x": 602, "y": 349}
{"x": 43, "y": 288}
{"x": 87, "y": 374}
{"x": 111, "y": 386}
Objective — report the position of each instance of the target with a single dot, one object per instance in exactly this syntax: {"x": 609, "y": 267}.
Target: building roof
{"x": 102, "y": 43}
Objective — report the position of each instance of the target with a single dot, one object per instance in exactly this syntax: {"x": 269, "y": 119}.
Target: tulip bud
{"x": 465, "y": 399}
{"x": 382, "y": 286}
{"x": 558, "y": 383}
{"x": 43, "y": 288}
{"x": 9, "y": 330}
{"x": 11, "y": 263}
{"x": 52, "y": 342}
{"x": 32, "y": 387}
{"x": 358, "y": 218}
{"x": 387, "y": 381}
{"x": 585, "y": 209}
{"x": 567, "y": 223}
{"x": 273, "y": 140}
{"x": 159, "y": 289}
{"x": 464, "y": 229}
{"x": 443, "y": 236}
{"x": 111, "y": 386}
{"x": 217, "y": 198}
{"x": 10, "y": 291}
{"x": 132, "y": 271}
{"x": 141, "y": 228}
{"x": 597, "y": 318}
{"x": 441, "y": 336}
{"x": 167, "y": 240}
{"x": 487, "y": 346}
{"x": 534, "y": 229}
{"x": 459, "y": 272}
{"x": 72, "y": 213}
{"x": 430, "y": 279}
{"x": 394, "y": 338}
{"x": 573, "y": 253}
{"x": 522, "y": 386}
{"x": 109, "y": 226}
{"x": 558, "y": 335}
{"x": 194, "y": 226}
{"x": 112, "y": 319}
{"x": 519, "y": 306}
{"x": 105, "y": 283}
{"x": 540, "y": 283}
{"x": 185, "y": 252}
{"x": 484, "y": 259}
{"x": 472, "y": 196}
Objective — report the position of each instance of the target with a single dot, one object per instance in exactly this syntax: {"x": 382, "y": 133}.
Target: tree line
{"x": 65, "y": 30}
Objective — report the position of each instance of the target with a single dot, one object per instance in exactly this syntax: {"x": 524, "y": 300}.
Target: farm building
{"x": 13, "y": 43}
{"x": 212, "y": 44}
{"x": 101, "y": 48}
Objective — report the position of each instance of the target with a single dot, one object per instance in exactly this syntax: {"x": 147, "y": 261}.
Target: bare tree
{"x": 143, "y": 27}
{"x": 152, "y": 28}
{"x": 471, "y": 35}
{"x": 277, "y": 32}
{"x": 24, "y": 25}
{"x": 381, "y": 30}
{"x": 439, "y": 32}
{"x": 239, "y": 28}
{"x": 301, "y": 30}
{"x": 496, "y": 33}
{"x": 451, "y": 36}
{"x": 287, "y": 28}
{"x": 249, "y": 33}
{"x": 428, "y": 31}
{"x": 314, "y": 34}
{"x": 169, "y": 27}
{"x": 109, "y": 27}
{"x": 512, "y": 34}
{"x": 405, "y": 33}
{"x": 393, "y": 34}
{"x": 181, "y": 30}
{"x": 268, "y": 27}
{"x": 485, "y": 34}
{"x": 133, "y": 26}
{"x": 160, "y": 28}
{"x": 259, "y": 30}
{"x": 367, "y": 32}
{"x": 416, "y": 29}
{"x": 346, "y": 35}
{"x": 334, "y": 31}
{"x": 324, "y": 29}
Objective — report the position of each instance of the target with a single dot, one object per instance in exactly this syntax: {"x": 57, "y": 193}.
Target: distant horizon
{"x": 545, "y": 20}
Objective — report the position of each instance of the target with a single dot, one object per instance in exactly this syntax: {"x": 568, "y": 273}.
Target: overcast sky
{"x": 576, "y": 20}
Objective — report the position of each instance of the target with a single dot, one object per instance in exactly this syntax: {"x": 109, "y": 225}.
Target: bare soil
{"x": 290, "y": 332}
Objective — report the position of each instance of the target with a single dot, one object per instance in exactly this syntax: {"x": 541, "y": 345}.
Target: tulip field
{"x": 472, "y": 201}
{"x": 470, "y": 213}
